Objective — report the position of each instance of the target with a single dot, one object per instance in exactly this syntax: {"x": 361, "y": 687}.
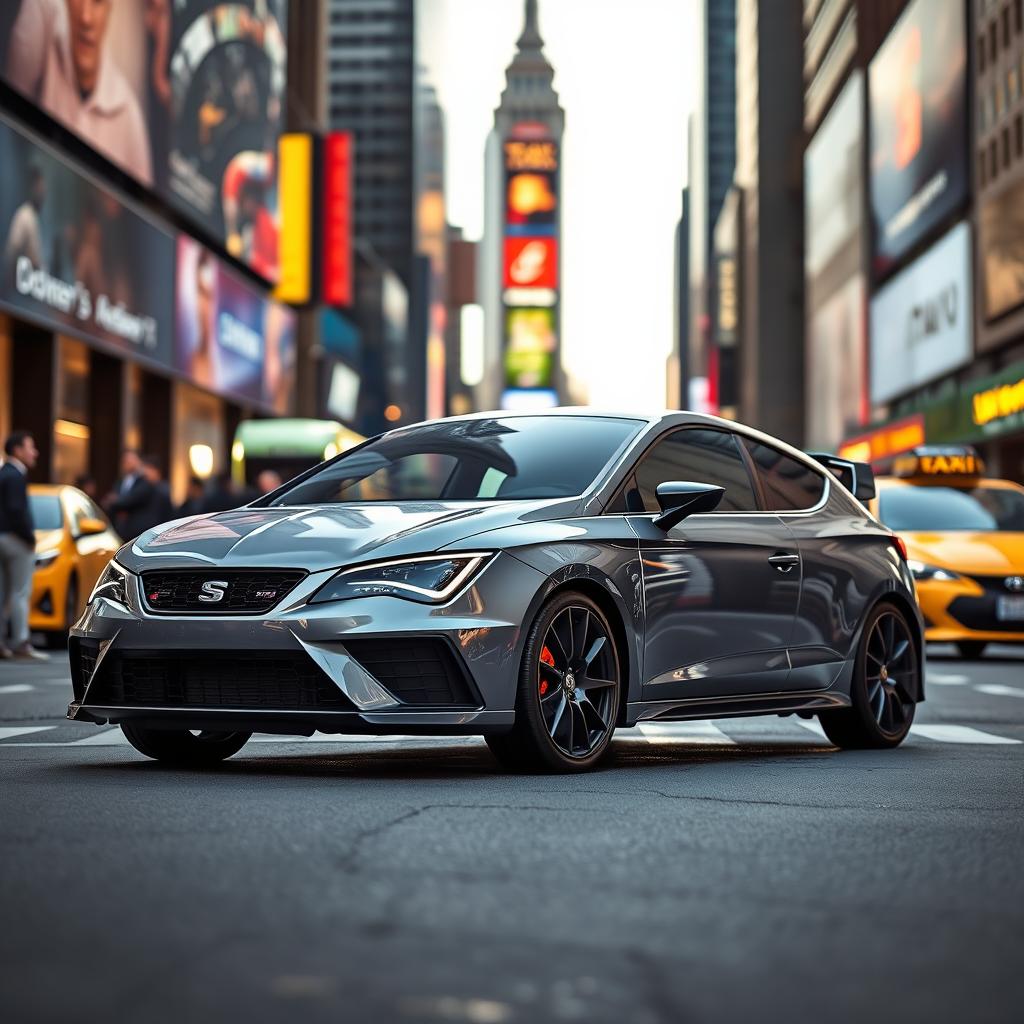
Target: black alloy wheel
{"x": 885, "y": 686}
{"x": 198, "y": 748}
{"x": 569, "y": 688}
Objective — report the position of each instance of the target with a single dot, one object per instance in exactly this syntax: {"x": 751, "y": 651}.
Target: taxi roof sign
{"x": 932, "y": 462}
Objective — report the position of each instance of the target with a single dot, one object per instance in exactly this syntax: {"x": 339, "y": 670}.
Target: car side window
{"x": 788, "y": 485}
{"x": 702, "y": 456}
{"x": 627, "y": 499}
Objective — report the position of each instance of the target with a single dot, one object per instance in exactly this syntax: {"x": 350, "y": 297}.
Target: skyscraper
{"x": 712, "y": 160}
{"x": 520, "y": 271}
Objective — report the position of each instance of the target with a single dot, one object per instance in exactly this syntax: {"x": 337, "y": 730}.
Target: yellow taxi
{"x": 74, "y": 542}
{"x": 964, "y": 534}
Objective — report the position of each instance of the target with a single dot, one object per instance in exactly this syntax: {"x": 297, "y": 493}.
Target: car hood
{"x": 981, "y": 554}
{"x": 321, "y": 537}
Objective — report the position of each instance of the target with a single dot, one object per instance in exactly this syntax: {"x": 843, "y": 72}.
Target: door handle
{"x": 784, "y": 562}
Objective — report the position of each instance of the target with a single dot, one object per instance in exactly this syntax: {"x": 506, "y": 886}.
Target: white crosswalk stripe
{"x": 9, "y": 732}
{"x": 998, "y": 690}
{"x": 958, "y": 734}
{"x": 721, "y": 733}
{"x": 17, "y": 688}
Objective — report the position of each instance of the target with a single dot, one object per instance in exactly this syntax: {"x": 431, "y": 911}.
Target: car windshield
{"x": 502, "y": 459}
{"x": 942, "y": 509}
{"x": 46, "y": 511}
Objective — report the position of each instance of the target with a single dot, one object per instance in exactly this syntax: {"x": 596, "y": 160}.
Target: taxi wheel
{"x": 971, "y": 650}
{"x": 183, "y": 747}
{"x": 58, "y": 638}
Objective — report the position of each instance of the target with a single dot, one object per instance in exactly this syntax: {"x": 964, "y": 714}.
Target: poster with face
{"x": 186, "y": 96}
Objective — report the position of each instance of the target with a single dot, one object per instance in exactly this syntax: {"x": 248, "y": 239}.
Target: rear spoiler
{"x": 857, "y": 477}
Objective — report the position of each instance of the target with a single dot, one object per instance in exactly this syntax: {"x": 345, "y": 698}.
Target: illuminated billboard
{"x": 530, "y": 348}
{"x": 531, "y": 262}
{"x": 337, "y": 220}
{"x": 186, "y": 97}
{"x": 296, "y": 177}
{"x": 917, "y": 99}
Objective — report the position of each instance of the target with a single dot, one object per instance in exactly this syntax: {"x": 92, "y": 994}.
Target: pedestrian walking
{"x": 267, "y": 481}
{"x": 17, "y": 546}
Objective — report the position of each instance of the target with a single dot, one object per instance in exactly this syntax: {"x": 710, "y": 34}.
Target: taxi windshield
{"x": 948, "y": 509}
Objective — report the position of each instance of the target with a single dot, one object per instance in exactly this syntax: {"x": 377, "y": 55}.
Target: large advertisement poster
{"x": 78, "y": 259}
{"x": 1001, "y": 244}
{"x": 229, "y": 337}
{"x": 922, "y": 320}
{"x": 186, "y": 96}
{"x": 917, "y": 85}
{"x": 834, "y": 268}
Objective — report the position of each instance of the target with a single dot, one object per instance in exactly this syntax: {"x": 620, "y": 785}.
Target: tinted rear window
{"x": 501, "y": 459}
{"x": 789, "y": 485}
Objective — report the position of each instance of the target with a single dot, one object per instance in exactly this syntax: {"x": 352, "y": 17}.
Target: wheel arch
{"x": 910, "y": 610}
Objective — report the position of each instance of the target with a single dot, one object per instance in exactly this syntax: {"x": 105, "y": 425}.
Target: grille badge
{"x": 213, "y": 591}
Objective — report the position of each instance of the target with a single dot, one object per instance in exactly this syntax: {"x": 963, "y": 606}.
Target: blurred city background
{"x": 804, "y": 214}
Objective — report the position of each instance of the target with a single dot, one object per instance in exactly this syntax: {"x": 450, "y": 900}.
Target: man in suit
{"x": 129, "y": 505}
{"x": 160, "y": 508}
{"x": 17, "y": 545}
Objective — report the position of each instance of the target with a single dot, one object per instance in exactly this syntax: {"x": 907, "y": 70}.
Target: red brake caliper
{"x": 548, "y": 659}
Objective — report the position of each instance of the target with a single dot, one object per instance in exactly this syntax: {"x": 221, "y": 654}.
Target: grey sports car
{"x": 537, "y": 579}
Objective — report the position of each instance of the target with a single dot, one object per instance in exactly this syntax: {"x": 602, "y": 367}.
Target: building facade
{"x": 140, "y": 254}
{"x": 519, "y": 276}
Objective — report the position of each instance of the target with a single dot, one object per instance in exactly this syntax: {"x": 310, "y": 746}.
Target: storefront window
{"x": 198, "y": 447}
{"x": 71, "y": 427}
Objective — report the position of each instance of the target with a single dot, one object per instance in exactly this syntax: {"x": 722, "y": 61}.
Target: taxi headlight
{"x": 923, "y": 572}
{"x": 46, "y": 558}
{"x": 430, "y": 579}
{"x": 111, "y": 585}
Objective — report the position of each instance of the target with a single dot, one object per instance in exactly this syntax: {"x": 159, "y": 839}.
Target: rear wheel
{"x": 971, "y": 650}
{"x": 188, "y": 748}
{"x": 568, "y": 695}
{"x": 885, "y": 686}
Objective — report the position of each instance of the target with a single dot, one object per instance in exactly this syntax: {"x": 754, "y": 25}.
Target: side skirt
{"x": 734, "y": 707}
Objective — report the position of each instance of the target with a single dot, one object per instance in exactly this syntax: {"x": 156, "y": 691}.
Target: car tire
{"x": 567, "y": 699}
{"x": 182, "y": 747}
{"x": 971, "y": 650}
{"x": 886, "y": 683}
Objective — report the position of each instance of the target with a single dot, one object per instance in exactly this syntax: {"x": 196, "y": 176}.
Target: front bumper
{"x": 966, "y": 609}
{"x": 290, "y": 671}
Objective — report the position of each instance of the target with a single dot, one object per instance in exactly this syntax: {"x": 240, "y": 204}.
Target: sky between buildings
{"x": 624, "y": 71}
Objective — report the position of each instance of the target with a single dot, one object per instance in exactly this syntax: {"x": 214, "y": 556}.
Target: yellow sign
{"x": 531, "y": 156}
{"x": 886, "y": 441}
{"x": 946, "y": 464}
{"x": 998, "y": 402}
{"x": 295, "y": 183}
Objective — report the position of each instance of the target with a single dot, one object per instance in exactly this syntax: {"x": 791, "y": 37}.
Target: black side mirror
{"x": 857, "y": 477}
{"x": 679, "y": 499}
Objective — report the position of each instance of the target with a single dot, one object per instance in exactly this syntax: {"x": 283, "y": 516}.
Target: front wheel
{"x": 886, "y": 683}
{"x": 184, "y": 747}
{"x": 568, "y": 696}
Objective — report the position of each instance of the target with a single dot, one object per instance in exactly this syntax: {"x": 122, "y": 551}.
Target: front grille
{"x": 980, "y": 613}
{"x": 231, "y": 679}
{"x": 420, "y": 671}
{"x": 217, "y": 591}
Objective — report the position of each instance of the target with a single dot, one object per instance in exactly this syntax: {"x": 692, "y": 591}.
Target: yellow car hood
{"x": 47, "y": 540}
{"x": 981, "y": 554}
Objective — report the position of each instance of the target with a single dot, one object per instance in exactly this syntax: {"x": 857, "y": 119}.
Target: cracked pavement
{"x": 772, "y": 878}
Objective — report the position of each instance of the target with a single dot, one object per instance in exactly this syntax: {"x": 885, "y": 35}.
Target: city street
{"x": 740, "y": 870}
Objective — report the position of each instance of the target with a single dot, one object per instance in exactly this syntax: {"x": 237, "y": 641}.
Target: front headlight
{"x": 111, "y": 585}
{"x": 430, "y": 579}
{"x": 922, "y": 572}
{"x": 46, "y": 558}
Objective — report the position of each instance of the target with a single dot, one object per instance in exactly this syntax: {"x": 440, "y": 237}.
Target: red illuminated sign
{"x": 337, "y": 219}
{"x": 531, "y": 263}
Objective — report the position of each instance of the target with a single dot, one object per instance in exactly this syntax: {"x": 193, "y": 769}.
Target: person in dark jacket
{"x": 129, "y": 503}
{"x": 17, "y": 545}
{"x": 223, "y": 495}
{"x": 160, "y": 508}
{"x": 194, "y": 499}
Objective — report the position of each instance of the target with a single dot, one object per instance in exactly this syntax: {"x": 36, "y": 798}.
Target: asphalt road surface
{"x": 736, "y": 870}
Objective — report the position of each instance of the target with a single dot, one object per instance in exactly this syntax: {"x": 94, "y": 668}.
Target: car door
{"x": 830, "y": 594}
{"x": 721, "y": 589}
